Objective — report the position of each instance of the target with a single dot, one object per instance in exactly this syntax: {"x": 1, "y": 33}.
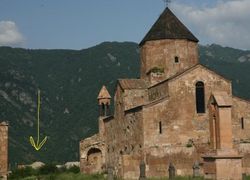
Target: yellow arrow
{"x": 38, "y": 145}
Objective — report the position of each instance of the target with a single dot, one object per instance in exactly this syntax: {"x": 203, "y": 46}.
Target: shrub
{"x": 23, "y": 172}
{"x": 190, "y": 143}
{"x": 74, "y": 169}
{"x": 62, "y": 169}
{"x": 157, "y": 70}
{"x": 48, "y": 169}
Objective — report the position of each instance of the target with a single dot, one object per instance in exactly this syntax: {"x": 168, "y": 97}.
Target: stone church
{"x": 3, "y": 150}
{"x": 177, "y": 112}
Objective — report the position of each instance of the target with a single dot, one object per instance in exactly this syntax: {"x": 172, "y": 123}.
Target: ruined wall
{"x": 123, "y": 138}
{"x": 113, "y": 129}
{"x": 92, "y": 154}
{"x": 123, "y": 135}
{"x": 241, "y": 130}
{"x": 3, "y": 149}
{"x": 181, "y": 126}
{"x": 162, "y": 53}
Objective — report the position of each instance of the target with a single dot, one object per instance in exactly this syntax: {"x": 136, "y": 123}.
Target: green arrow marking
{"x": 38, "y": 145}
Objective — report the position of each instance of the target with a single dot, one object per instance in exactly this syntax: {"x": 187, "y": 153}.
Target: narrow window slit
{"x": 242, "y": 123}
{"x": 160, "y": 127}
{"x": 176, "y": 59}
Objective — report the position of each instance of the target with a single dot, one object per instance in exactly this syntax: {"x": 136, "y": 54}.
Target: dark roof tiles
{"x": 168, "y": 26}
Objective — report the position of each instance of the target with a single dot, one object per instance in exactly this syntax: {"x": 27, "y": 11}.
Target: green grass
{"x": 65, "y": 176}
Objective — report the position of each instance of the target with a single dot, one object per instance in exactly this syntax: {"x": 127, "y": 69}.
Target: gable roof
{"x": 132, "y": 84}
{"x": 197, "y": 66}
{"x": 188, "y": 70}
{"x": 168, "y": 26}
{"x": 104, "y": 94}
{"x": 222, "y": 98}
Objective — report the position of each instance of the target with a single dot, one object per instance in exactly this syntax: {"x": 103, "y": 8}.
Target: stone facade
{"x": 162, "y": 54}
{"x": 3, "y": 150}
{"x": 224, "y": 158}
{"x": 163, "y": 117}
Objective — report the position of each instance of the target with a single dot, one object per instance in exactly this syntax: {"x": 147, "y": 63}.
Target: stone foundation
{"x": 223, "y": 167}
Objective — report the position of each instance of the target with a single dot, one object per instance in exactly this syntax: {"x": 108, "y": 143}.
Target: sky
{"x": 79, "y": 24}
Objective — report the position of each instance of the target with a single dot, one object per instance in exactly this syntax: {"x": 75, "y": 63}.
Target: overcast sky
{"x": 78, "y": 24}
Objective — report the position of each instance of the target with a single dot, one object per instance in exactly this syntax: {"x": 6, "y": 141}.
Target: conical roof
{"x": 168, "y": 26}
{"x": 104, "y": 94}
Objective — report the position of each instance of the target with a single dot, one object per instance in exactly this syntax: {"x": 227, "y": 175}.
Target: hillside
{"x": 69, "y": 81}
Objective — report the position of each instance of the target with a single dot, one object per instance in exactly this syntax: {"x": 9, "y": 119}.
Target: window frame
{"x": 200, "y": 93}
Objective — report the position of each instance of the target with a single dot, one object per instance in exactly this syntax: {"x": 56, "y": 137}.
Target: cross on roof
{"x": 167, "y": 2}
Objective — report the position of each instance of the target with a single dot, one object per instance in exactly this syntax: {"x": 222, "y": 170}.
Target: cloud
{"x": 226, "y": 23}
{"x": 9, "y": 34}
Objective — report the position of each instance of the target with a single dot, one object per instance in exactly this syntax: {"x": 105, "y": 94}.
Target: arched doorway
{"x": 94, "y": 160}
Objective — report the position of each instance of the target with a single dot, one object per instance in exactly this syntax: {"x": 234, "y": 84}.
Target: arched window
{"x": 200, "y": 97}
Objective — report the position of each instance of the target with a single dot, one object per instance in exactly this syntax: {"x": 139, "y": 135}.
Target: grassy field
{"x": 51, "y": 172}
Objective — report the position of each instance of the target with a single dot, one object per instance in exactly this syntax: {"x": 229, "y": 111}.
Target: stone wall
{"x": 130, "y": 164}
{"x": 3, "y": 149}
{"x": 133, "y": 98}
{"x": 228, "y": 169}
{"x": 162, "y": 53}
{"x": 158, "y": 91}
{"x": 241, "y": 130}
{"x": 119, "y": 103}
{"x": 92, "y": 154}
{"x": 123, "y": 137}
{"x": 177, "y": 113}
{"x": 241, "y": 109}
{"x": 244, "y": 150}
{"x": 159, "y": 158}
{"x": 181, "y": 125}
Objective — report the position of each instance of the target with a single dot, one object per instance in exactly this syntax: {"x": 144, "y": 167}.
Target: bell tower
{"x": 167, "y": 49}
{"x": 104, "y": 102}
{"x": 104, "y": 99}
